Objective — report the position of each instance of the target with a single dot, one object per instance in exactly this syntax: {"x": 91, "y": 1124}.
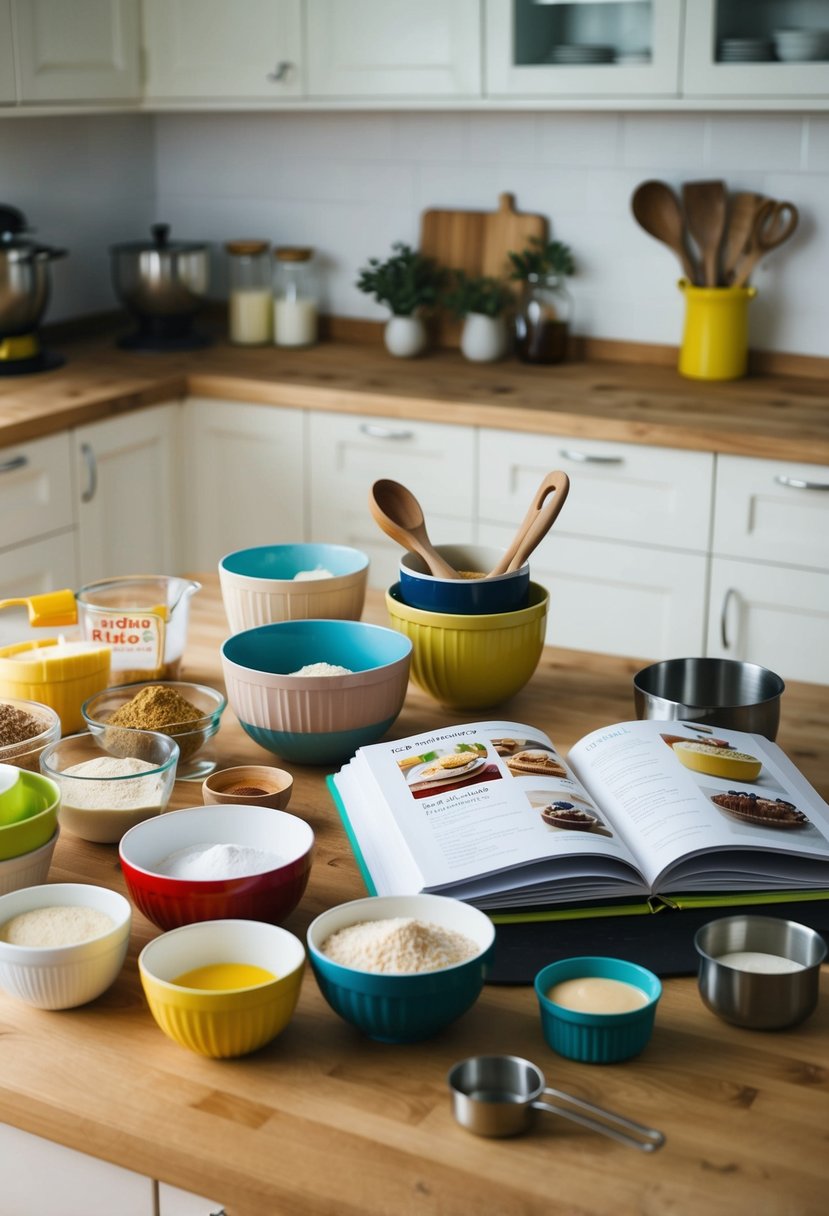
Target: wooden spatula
{"x": 742, "y": 211}
{"x": 705, "y": 205}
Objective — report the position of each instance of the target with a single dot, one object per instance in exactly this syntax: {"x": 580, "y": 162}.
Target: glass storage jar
{"x": 542, "y": 321}
{"x": 250, "y": 304}
{"x": 296, "y": 297}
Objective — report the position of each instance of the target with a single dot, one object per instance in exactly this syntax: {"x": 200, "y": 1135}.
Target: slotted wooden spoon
{"x": 400, "y": 516}
{"x": 774, "y": 223}
{"x": 543, "y": 511}
{"x": 706, "y": 206}
{"x": 658, "y": 210}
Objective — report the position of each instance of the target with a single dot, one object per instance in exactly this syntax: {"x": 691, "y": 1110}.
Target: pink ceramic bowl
{"x": 269, "y": 895}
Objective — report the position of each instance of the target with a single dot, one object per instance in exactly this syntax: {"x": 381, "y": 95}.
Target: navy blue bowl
{"x": 467, "y": 596}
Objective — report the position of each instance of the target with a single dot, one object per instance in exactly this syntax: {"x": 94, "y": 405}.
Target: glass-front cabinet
{"x": 756, "y": 49}
{"x": 583, "y": 48}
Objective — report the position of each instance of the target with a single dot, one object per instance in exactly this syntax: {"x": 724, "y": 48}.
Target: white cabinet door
{"x": 347, "y": 454}
{"x": 126, "y": 472}
{"x": 532, "y": 49}
{"x": 777, "y": 616}
{"x": 618, "y": 491}
{"x": 43, "y": 565}
{"x": 35, "y": 489}
{"x": 211, "y": 49}
{"x": 77, "y": 50}
{"x": 244, "y": 477}
{"x": 772, "y": 511}
{"x": 394, "y": 48}
{"x": 707, "y": 71}
{"x": 8, "y": 92}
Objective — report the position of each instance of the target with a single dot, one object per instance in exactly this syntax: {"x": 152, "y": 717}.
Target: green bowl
{"x": 30, "y": 815}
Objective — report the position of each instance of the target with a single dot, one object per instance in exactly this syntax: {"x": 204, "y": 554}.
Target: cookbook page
{"x": 707, "y": 809}
{"x": 486, "y": 799}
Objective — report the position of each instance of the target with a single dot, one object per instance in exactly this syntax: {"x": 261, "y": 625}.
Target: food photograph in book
{"x": 434, "y": 772}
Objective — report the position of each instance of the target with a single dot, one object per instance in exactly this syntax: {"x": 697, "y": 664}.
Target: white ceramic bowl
{"x": 259, "y": 585}
{"x": 29, "y": 869}
{"x": 61, "y": 977}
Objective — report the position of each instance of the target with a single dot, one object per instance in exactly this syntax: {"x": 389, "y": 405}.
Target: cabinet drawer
{"x": 35, "y": 489}
{"x": 772, "y": 511}
{"x": 773, "y": 615}
{"x": 618, "y": 599}
{"x": 618, "y": 491}
{"x": 43, "y": 565}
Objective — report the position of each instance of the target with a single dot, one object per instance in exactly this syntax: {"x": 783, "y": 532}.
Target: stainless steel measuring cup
{"x": 499, "y": 1095}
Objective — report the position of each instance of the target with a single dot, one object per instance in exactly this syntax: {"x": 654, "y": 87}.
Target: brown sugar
{"x": 164, "y": 709}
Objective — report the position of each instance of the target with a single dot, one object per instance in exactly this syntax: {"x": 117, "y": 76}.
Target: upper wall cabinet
{"x": 208, "y": 50}
{"x": 757, "y": 49}
{"x": 75, "y": 50}
{"x": 8, "y": 93}
{"x": 394, "y": 48}
{"x": 551, "y": 48}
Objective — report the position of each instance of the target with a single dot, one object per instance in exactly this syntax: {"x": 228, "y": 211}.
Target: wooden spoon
{"x": 400, "y": 516}
{"x": 705, "y": 206}
{"x": 550, "y": 497}
{"x": 774, "y": 223}
{"x": 657, "y": 209}
{"x": 742, "y": 211}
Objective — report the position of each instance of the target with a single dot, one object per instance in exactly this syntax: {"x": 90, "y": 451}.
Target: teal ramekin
{"x": 597, "y": 1038}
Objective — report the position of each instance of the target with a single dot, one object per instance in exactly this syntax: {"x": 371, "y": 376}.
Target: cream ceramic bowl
{"x": 29, "y": 869}
{"x": 259, "y": 586}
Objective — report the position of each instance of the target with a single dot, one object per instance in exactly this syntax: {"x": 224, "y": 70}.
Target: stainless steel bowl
{"x": 24, "y": 275}
{"x": 759, "y": 1000}
{"x": 721, "y": 692}
{"x": 161, "y": 278}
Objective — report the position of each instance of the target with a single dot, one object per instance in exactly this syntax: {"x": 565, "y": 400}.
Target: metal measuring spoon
{"x": 499, "y": 1095}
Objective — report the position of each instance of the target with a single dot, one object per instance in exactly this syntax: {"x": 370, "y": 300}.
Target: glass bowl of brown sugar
{"x": 189, "y": 713}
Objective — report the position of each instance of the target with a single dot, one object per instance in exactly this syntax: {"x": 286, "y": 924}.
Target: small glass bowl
{"x": 26, "y": 754}
{"x": 102, "y": 809}
{"x": 197, "y": 757}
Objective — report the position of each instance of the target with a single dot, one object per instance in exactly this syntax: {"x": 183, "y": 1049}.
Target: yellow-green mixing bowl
{"x": 472, "y": 661}
{"x": 28, "y": 815}
{"x": 230, "y": 1021}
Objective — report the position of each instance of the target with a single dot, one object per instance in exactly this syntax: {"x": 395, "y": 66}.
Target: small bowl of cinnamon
{"x": 249, "y": 785}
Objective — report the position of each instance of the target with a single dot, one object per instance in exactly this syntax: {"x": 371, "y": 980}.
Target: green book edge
{"x": 349, "y": 831}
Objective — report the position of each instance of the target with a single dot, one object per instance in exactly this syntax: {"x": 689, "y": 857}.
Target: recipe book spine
{"x": 365, "y": 874}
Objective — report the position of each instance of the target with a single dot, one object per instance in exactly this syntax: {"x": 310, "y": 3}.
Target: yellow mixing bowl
{"x": 472, "y": 661}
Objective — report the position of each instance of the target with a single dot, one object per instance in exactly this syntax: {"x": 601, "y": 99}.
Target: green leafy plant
{"x": 482, "y": 295}
{"x": 404, "y": 282}
{"x": 542, "y": 257}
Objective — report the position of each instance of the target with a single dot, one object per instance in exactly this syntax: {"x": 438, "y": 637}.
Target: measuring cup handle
{"x": 626, "y": 1131}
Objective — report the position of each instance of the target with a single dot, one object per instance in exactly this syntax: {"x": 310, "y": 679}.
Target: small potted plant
{"x": 482, "y": 303}
{"x": 406, "y": 282}
{"x": 542, "y": 321}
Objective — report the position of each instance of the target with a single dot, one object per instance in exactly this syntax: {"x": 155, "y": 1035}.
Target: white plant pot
{"x": 405, "y": 337}
{"x": 484, "y": 339}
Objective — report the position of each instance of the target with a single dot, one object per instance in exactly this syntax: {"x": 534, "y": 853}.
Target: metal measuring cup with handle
{"x": 499, "y": 1095}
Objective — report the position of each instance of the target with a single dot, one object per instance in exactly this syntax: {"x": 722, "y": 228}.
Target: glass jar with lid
{"x": 296, "y": 297}
{"x": 250, "y": 303}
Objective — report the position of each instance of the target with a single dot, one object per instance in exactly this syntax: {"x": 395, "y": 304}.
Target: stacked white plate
{"x": 746, "y": 50}
{"x": 581, "y": 53}
{"x": 801, "y": 46}
{"x": 633, "y": 57}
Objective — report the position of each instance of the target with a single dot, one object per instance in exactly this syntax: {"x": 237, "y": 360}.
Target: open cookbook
{"x": 640, "y": 813}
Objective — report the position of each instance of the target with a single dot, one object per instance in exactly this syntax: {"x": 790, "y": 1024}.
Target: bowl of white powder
{"x": 292, "y": 582}
{"x": 314, "y": 691}
{"x": 401, "y": 967}
{"x": 112, "y": 781}
{"x": 62, "y": 944}
{"x": 217, "y": 863}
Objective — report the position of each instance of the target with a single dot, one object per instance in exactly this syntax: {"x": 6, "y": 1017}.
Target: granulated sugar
{"x": 321, "y": 669}
{"x": 210, "y": 862}
{"x": 398, "y": 946}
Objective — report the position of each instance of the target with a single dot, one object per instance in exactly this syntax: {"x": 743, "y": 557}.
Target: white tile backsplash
{"x": 352, "y": 183}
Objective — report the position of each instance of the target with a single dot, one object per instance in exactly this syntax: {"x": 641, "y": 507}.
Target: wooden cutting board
{"x": 479, "y": 242}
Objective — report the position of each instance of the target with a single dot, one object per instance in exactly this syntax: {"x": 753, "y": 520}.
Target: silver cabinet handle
{"x": 91, "y": 472}
{"x": 281, "y": 73}
{"x": 16, "y": 462}
{"x": 796, "y": 483}
{"x": 585, "y": 458}
{"x": 384, "y": 432}
{"x": 724, "y": 618}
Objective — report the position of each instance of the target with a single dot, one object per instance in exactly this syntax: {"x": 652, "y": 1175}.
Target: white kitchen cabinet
{"x": 243, "y": 469}
{"x": 127, "y": 479}
{"x": 526, "y": 42}
{"x": 348, "y": 453}
{"x": 49, "y": 564}
{"x": 8, "y": 92}
{"x": 394, "y": 48}
{"x": 706, "y": 72}
{"x": 35, "y": 489}
{"x": 77, "y": 50}
{"x": 223, "y": 49}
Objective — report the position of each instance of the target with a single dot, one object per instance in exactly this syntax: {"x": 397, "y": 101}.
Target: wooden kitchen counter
{"x": 325, "y": 1121}
{"x": 779, "y": 417}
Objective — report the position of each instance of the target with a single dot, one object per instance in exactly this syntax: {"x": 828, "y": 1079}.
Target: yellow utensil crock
{"x": 715, "y": 337}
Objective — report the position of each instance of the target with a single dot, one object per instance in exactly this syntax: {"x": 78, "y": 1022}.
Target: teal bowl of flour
{"x": 313, "y": 691}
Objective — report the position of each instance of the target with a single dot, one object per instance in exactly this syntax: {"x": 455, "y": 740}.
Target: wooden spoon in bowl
{"x": 400, "y": 516}
{"x": 543, "y": 511}
{"x": 657, "y": 209}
